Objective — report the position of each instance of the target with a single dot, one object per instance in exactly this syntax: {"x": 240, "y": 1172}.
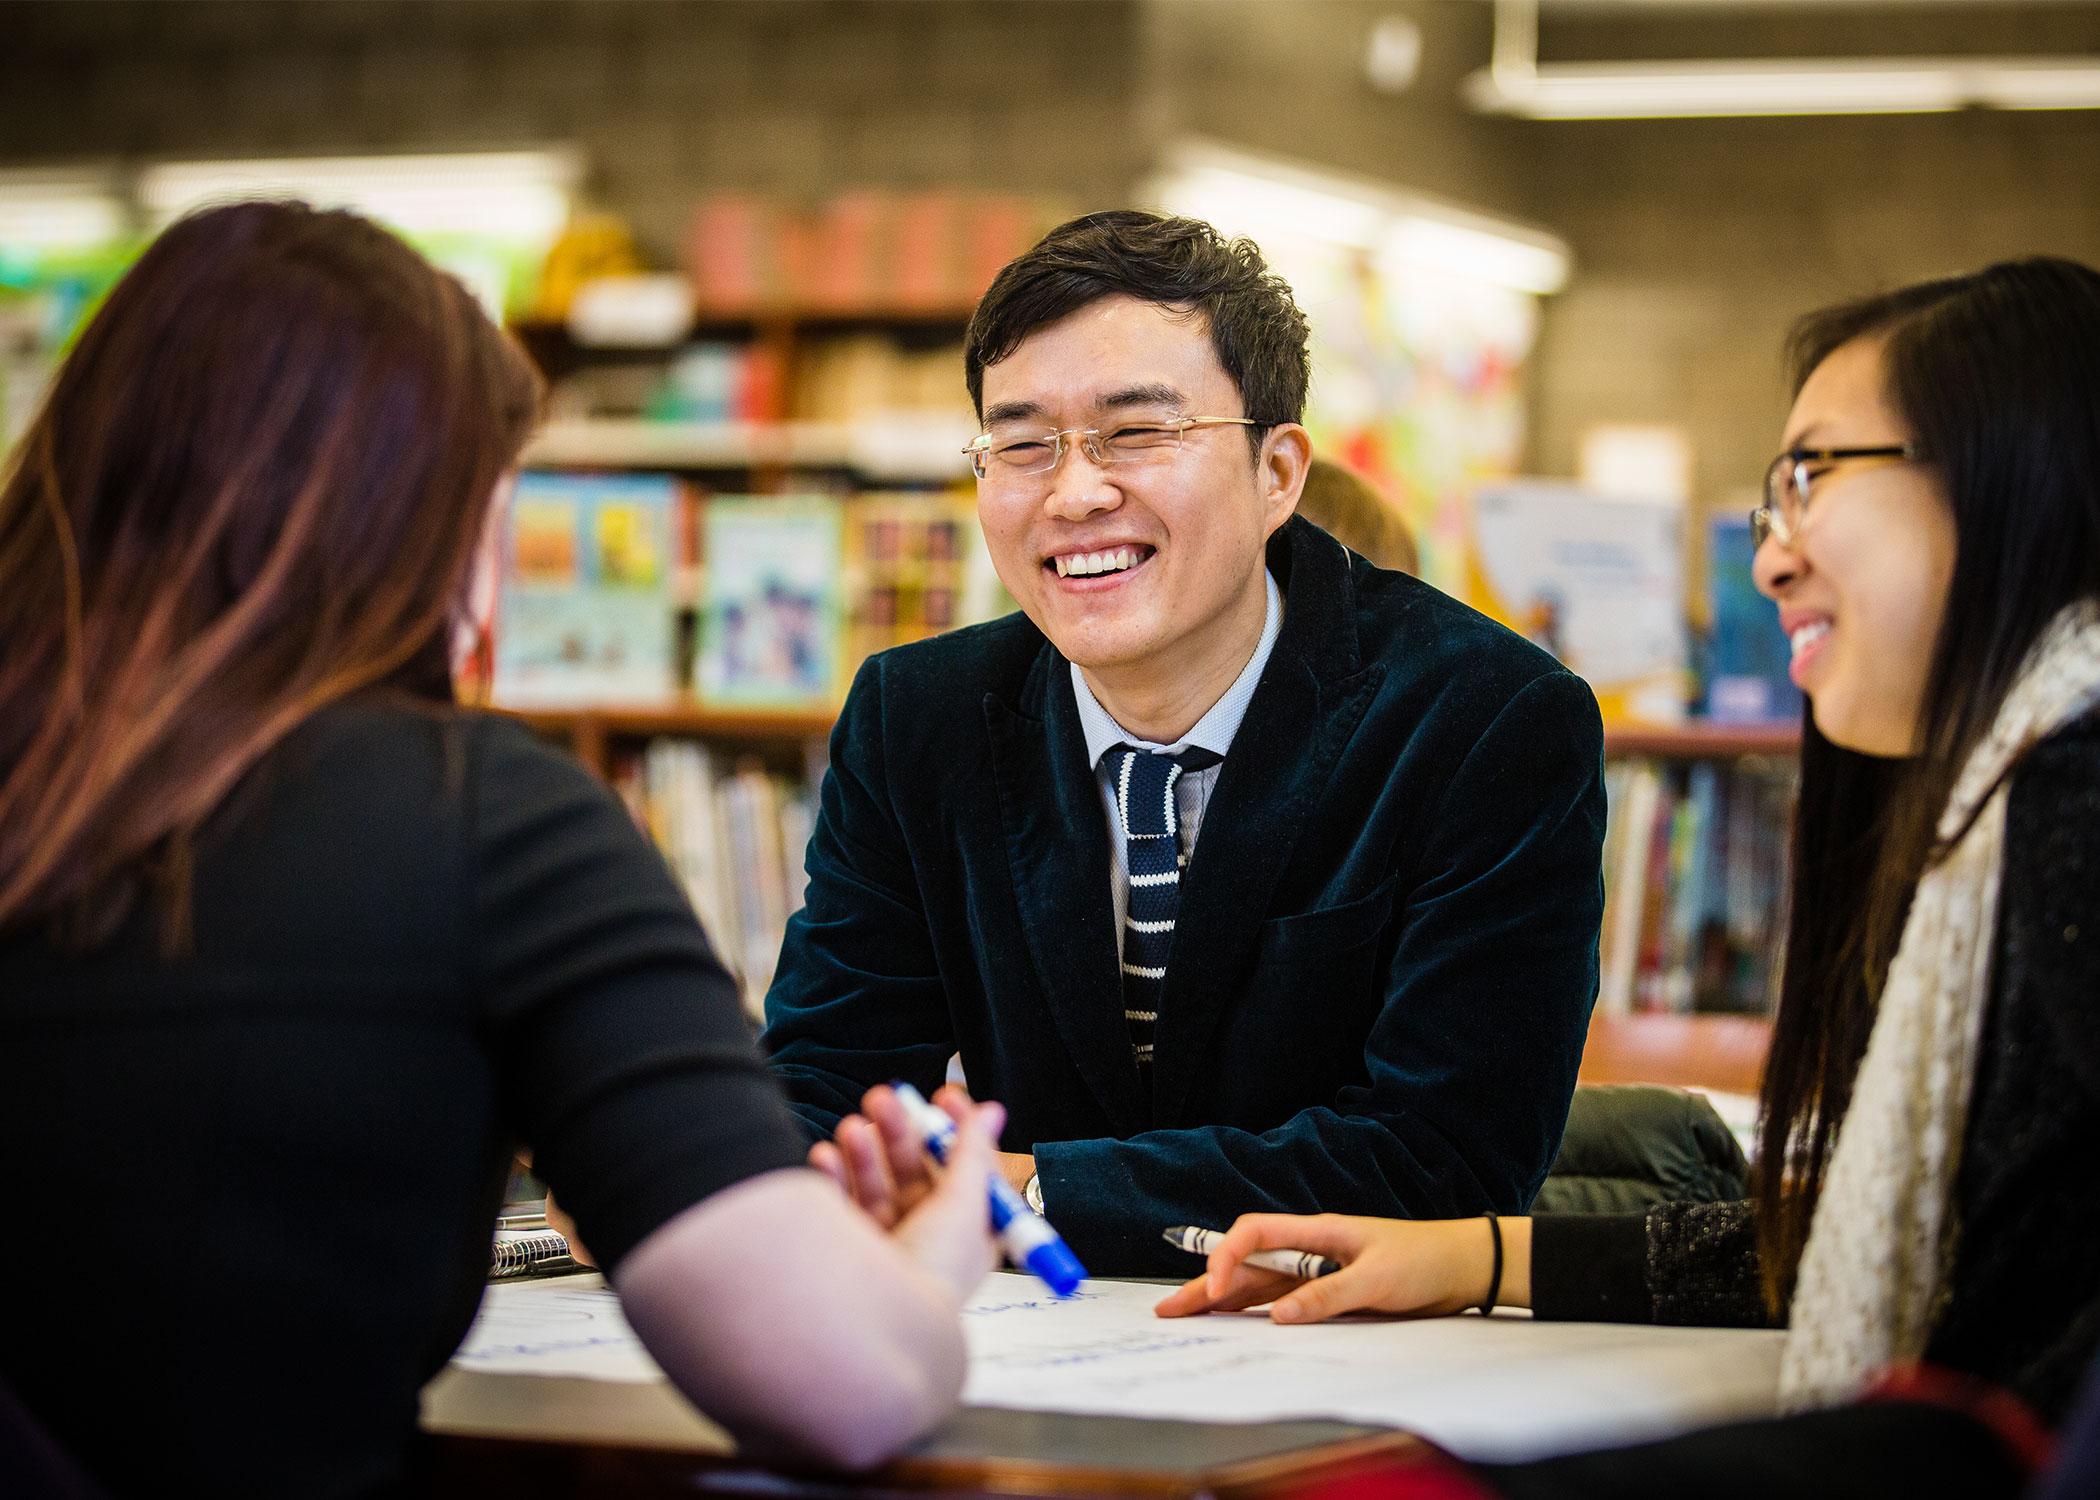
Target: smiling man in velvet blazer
{"x": 1246, "y": 875}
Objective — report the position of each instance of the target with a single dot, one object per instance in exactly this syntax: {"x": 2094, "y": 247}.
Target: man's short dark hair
{"x": 1256, "y": 329}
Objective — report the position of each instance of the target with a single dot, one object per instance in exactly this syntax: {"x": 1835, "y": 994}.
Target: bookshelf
{"x": 594, "y": 733}
{"x": 845, "y": 408}
{"x": 1696, "y": 867}
{"x": 789, "y": 360}
{"x": 784, "y": 329}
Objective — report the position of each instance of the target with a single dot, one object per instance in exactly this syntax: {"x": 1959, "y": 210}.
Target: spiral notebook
{"x": 525, "y": 1244}
{"x": 533, "y": 1252}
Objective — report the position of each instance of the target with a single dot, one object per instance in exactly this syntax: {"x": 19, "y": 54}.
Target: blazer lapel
{"x": 1311, "y": 697}
{"x": 1057, "y": 849}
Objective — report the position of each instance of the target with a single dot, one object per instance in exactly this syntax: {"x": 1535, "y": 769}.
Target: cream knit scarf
{"x": 1881, "y": 1243}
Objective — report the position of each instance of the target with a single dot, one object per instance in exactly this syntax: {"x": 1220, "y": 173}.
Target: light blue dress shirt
{"x": 1212, "y": 732}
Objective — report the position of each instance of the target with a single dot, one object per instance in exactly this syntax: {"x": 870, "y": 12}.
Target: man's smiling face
{"x": 1140, "y": 567}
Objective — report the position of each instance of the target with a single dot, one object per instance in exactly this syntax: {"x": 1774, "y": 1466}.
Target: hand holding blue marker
{"x": 1026, "y": 1234}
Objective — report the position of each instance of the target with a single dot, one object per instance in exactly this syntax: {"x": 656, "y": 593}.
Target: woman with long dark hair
{"x": 1926, "y": 1190}
{"x": 294, "y": 951}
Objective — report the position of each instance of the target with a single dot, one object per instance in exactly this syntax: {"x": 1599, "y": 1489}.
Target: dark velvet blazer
{"x": 1385, "y": 955}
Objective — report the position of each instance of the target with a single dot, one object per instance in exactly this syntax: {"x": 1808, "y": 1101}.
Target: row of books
{"x": 862, "y": 377}
{"x": 629, "y": 589}
{"x": 1695, "y": 882}
{"x": 868, "y": 376}
{"x": 735, "y": 836}
{"x": 707, "y": 382}
{"x": 869, "y": 249}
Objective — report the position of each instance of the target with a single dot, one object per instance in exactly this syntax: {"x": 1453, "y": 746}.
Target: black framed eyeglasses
{"x": 1789, "y": 477}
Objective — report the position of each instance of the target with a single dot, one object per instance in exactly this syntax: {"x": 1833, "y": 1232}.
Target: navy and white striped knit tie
{"x": 1152, "y": 857}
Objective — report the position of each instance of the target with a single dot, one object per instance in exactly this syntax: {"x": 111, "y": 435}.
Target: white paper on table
{"x": 555, "y": 1328}
{"x": 1502, "y": 1387}
{"x": 1491, "y": 1388}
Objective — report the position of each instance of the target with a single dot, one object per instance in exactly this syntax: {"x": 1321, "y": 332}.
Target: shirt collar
{"x": 1212, "y": 732}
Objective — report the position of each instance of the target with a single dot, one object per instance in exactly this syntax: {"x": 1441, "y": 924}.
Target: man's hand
{"x": 1018, "y": 1166}
{"x": 881, "y": 1163}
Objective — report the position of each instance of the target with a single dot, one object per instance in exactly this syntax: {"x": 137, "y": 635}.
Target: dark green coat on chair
{"x": 1631, "y": 1146}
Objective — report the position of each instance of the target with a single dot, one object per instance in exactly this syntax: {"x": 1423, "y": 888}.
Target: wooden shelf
{"x": 684, "y": 717}
{"x": 1702, "y": 741}
{"x": 591, "y": 731}
{"x": 1721, "y": 1052}
{"x": 904, "y": 448}
{"x": 783, "y": 330}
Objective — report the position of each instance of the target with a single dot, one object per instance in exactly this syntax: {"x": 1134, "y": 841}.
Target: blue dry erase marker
{"x": 1026, "y": 1234}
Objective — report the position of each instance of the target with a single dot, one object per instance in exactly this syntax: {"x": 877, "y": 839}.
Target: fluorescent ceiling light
{"x": 1484, "y": 255}
{"x": 1245, "y": 193}
{"x": 1517, "y": 83}
{"x": 42, "y": 213}
{"x": 509, "y": 194}
{"x": 1607, "y": 6}
{"x": 1234, "y": 199}
{"x": 1917, "y": 85}
{"x": 2042, "y": 83}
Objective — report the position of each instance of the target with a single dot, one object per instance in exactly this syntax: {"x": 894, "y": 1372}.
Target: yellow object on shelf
{"x": 592, "y": 245}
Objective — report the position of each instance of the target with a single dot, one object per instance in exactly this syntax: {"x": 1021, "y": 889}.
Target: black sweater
{"x": 2024, "y": 1303}
{"x": 250, "y": 1191}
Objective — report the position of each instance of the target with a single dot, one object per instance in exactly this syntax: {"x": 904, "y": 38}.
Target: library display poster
{"x": 1417, "y": 381}
{"x": 586, "y": 615}
{"x": 770, "y": 629}
{"x": 1598, "y": 582}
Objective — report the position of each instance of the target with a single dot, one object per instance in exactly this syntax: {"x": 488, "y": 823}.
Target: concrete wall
{"x": 666, "y": 99}
{"x": 1698, "y": 242}
{"x": 1289, "y": 79}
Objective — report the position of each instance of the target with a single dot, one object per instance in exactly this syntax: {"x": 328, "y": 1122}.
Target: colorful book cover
{"x": 1598, "y": 582}
{"x": 586, "y": 614}
{"x": 906, "y": 559}
{"x": 769, "y": 635}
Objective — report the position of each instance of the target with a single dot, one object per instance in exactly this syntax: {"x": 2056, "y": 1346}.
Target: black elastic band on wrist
{"x": 1487, "y": 1304}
